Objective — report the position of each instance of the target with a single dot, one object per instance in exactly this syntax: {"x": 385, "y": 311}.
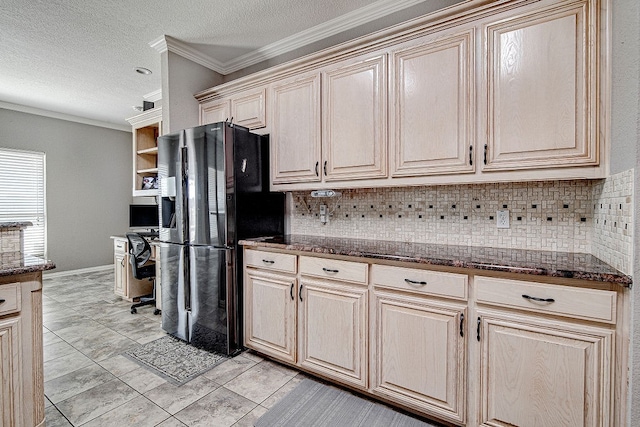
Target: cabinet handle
{"x": 2, "y": 300}
{"x": 471, "y": 155}
{"x": 538, "y": 299}
{"x": 485, "y": 154}
{"x": 291, "y": 292}
{"x": 325, "y": 168}
{"x": 122, "y": 262}
{"x": 317, "y": 163}
{"x": 300, "y": 292}
{"x": 413, "y": 282}
{"x": 462, "y": 324}
{"x": 268, "y": 261}
{"x": 478, "y": 332}
{"x": 328, "y": 270}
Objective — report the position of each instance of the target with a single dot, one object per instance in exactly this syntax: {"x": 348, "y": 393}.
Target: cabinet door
{"x": 248, "y": 109}
{"x": 542, "y": 71}
{"x": 418, "y": 353}
{"x": 295, "y": 131}
{"x": 354, "y": 118}
{"x": 333, "y": 330}
{"x": 120, "y": 274}
{"x": 10, "y": 369}
{"x": 433, "y": 106}
{"x": 215, "y": 111}
{"x": 537, "y": 374}
{"x": 270, "y": 314}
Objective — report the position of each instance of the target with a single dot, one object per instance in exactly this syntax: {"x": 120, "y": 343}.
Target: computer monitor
{"x": 144, "y": 216}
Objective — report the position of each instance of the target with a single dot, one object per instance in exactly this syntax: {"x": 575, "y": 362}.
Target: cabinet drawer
{"x": 428, "y": 282}
{"x": 592, "y": 304}
{"x": 120, "y": 246}
{"x": 10, "y": 295}
{"x": 334, "y": 269}
{"x": 270, "y": 261}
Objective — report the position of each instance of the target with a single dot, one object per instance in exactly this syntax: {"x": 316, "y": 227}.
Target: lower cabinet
{"x": 332, "y": 329}
{"x": 11, "y": 372}
{"x": 125, "y": 285}
{"x": 544, "y": 373}
{"x": 270, "y": 313}
{"x": 418, "y": 353}
{"x": 465, "y": 349}
{"x": 21, "y": 350}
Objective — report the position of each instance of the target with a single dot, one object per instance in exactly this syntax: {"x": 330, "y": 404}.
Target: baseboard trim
{"x": 54, "y": 274}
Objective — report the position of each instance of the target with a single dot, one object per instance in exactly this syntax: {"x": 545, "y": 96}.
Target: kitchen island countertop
{"x": 14, "y": 263}
{"x": 540, "y": 263}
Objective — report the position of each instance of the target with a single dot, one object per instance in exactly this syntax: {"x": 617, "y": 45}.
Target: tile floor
{"x": 88, "y": 383}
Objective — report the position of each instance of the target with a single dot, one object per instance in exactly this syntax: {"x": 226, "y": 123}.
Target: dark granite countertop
{"x": 15, "y": 224}
{"x": 14, "y": 263}
{"x": 540, "y": 263}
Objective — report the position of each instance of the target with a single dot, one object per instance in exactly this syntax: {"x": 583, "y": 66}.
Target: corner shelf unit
{"x": 146, "y": 129}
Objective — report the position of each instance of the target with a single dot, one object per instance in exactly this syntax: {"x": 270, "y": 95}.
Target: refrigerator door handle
{"x": 187, "y": 279}
{"x": 184, "y": 184}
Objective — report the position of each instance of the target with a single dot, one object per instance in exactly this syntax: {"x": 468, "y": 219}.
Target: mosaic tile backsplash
{"x": 593, "y": 216}
{"x": 10, "y": 240}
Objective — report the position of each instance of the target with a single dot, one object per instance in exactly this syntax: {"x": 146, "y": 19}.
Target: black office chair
{"x": 139, "y": 254}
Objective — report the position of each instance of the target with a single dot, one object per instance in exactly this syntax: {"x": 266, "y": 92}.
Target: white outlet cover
{"x": 502, "y": 218}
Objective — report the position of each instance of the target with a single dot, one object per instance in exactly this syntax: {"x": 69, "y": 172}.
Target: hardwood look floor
{"x": 89, "y": 383}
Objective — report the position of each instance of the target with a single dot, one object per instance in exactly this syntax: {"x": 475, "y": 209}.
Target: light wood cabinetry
{"x": 479, "y": 92}
{"x": 418, "y": 353}
{"x": 295, "y": 142}
{"x": 537, "y": 369}
{"x": 332, "y": 329}
{"x": 246, "y": 109}
{"x": 146, "y": 129}
{"x": 476, "y": 350}
{"x": 432, "y": 104}
{"x": 125, "y": 285}
{"x": 542, "y": 81}
{"x": 418, "y": 344}
{"x": 21, "y": 357}
{"x": 354, "y": 119}
{"x": 270, "y": 291}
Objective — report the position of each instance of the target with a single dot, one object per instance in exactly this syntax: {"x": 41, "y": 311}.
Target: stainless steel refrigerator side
{"x": 175, "y": 319}
{"x": 171, "y": 213}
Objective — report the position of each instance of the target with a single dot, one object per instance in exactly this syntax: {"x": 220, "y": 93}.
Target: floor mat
{"x": 174, "y": 359}
{"x": 313, "y": 404}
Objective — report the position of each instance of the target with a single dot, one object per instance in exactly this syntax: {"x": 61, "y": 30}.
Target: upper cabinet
{"x": 483, "y": 91}
{"x": 246, "y": 109}
{"x": 542, "y": 77}
{"x": 354, "y": 119}
{"x": 432, "y": 105}
{"x": 146, "y": 129}
{"x": 295, "y": 130}
{"x": 344, "y": 138}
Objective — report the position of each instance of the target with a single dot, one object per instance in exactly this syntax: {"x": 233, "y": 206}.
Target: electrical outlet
{"x": 502, "y": 218}
{"x": 324, "y": 218}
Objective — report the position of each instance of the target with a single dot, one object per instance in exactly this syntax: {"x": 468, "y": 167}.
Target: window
{"x": 22, "y": 195}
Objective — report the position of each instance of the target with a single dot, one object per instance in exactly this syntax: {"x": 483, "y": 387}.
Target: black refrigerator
{"x": 213, "y": 182}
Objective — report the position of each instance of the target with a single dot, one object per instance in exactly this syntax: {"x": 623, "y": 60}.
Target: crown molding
{"x": 335, "y": 26}
{"x": 154, "y": 96}
{"x": 167, "y": 43}
{"x": 63, "y": 116}
{"x": 330, "y": 28}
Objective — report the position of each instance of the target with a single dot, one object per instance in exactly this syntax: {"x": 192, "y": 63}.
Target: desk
{"x": 127, "y": 286}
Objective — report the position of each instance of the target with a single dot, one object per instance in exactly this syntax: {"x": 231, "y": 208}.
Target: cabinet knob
{"x": 2, "y": 300}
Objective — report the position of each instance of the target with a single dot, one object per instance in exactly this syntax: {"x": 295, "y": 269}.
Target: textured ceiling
{"x": 77, "y": 57}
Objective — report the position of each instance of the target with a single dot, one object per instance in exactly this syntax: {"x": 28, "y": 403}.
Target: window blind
{"x": 22, "y": 195}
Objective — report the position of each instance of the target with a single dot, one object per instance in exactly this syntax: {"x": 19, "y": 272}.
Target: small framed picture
{"x": 149, "y": 183}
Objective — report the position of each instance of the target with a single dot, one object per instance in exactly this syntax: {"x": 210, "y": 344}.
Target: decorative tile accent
{"x": 547, "y": 215}
{"x": 10, "y": 240}
{"x": 613, "y": 220}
